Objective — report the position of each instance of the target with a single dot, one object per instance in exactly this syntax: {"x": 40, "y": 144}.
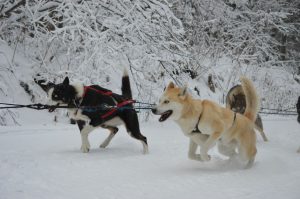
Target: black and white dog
{"x": 89, "y": 118}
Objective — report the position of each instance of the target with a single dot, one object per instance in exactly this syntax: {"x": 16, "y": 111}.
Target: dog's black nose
{"x": 154, "y": 110}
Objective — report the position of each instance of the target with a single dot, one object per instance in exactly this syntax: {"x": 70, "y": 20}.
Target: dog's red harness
{"x": 108, "y": 93}
{"x": 119, "y": 105}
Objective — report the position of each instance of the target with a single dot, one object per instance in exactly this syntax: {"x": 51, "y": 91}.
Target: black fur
{"x": 298, "y": 109}
{"x": 93, "y": 98}
{"x": 44, "y": 84}
{"x": 125, "y": 85}
{"x": 64, "y": 92}
{"x": 80, "y": 124}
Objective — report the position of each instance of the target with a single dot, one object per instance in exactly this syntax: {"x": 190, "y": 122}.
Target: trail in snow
{"x": 44, "y": 161}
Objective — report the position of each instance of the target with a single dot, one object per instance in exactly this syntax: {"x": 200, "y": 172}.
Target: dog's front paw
{"x": 85, "y": 148}
{"x": 103, "y": 145}
{"x": 145, "y": 151}
{"x": 205, "y": 157}
{"x": 196, "y": 157}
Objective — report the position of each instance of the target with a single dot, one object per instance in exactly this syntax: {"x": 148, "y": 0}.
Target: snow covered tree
{"x": 157, "y": 40}
{"x": 92, "y": 41}
{"x": 255, "y": 34}
{"x": 260, "y": 32}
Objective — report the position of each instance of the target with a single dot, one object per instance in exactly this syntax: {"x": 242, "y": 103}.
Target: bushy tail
{"x": 126, "y": 90}
{"x": 252, "y": 100}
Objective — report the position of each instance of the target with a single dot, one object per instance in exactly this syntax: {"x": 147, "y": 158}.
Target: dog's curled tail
{"x": 252, "y": 99}
{"x": 126, "y": 89}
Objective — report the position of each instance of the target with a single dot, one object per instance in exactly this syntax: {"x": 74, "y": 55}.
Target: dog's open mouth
{"x": 165, "y": 115}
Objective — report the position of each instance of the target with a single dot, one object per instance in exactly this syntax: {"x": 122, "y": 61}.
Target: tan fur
{"x": 216, "y": 123}
{"x": 235, "y": 100}
{"x": 252, "y": 105}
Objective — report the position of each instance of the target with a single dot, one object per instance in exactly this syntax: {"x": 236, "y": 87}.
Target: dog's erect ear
{"x": 66, "y": 81}
{"x": 183, "y": 92}
{"x": 171, "y": 85}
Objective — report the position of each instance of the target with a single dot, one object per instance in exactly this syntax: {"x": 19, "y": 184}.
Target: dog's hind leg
{"x": 263, "y": 135}
{"x": 137, "y": 135}
{"x": 85, "y": 129}
{"x": 132, "y": 126}
{"x": 247, "y": 148}
{"x": 250, "y": 163}
{"x": 259, "y": 126}
{"x": 112, "y": 133}
{"x": 227, "y": 149}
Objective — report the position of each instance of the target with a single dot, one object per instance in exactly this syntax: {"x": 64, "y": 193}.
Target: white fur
{"x": 145, "y": 148}
{"x": 76, "y": 114}
{"x": 116, "y": 121}
{"x": 85, "y": 146}
{"x": 50, "y": 91}
{"x": 106, "y": 142}
{"x": 187, "y": 125}
{"x": 205, "y": 128}
{"x": 174, "y": 106}
{"x": 200, "y": 139}
{"x": 50, "y": 101}
{"x": 79, "y": 89}
{"x": 193, "y": 148}
{"x": 125, "y": 72}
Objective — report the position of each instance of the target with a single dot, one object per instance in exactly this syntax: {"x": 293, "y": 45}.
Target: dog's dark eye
{"x": 55, "y": 94}
{"x": 166, "y": 102}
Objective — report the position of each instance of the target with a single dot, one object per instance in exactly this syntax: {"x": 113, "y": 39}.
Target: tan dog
{"x": 206, "y": 122}
{"x": 235, "y": 100}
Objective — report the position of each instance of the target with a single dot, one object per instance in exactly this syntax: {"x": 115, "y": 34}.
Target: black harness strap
{"x": 234, "y": 118}
{"x": 196, "y": 129}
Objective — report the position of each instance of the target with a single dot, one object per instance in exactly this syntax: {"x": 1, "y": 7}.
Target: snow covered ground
{"x": 44, "y": 162}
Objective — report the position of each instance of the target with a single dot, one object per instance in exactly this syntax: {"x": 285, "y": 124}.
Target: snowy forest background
{"x": 207, "y": 44}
